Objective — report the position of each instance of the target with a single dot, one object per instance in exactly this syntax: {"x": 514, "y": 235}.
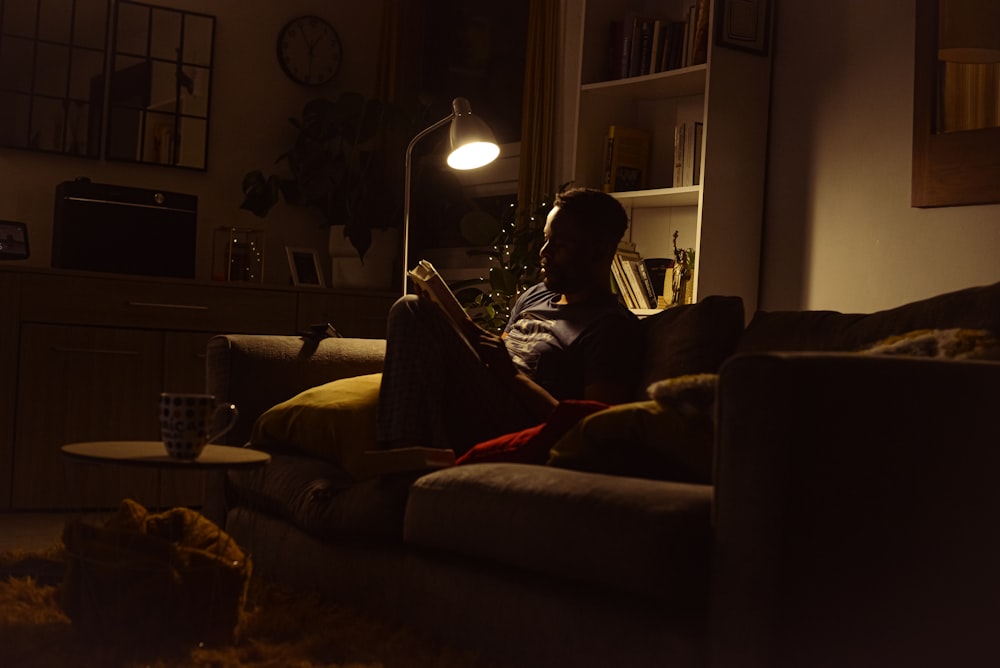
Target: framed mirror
{"x": 51, "y": 53}
{"x": 956, "y": 103}
{"x": 158, "y": 100}
{"x": 146, "y": 101}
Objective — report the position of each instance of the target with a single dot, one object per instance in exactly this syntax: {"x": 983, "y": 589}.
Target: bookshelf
{"x": 728, "y": 93}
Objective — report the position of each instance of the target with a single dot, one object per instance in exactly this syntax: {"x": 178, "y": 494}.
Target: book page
{"x": 430, "y": 282}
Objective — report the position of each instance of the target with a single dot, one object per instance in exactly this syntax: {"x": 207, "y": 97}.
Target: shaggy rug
{"x": 277, "y": 628}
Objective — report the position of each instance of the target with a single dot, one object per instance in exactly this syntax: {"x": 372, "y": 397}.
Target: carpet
{"x": 277, "y": 628}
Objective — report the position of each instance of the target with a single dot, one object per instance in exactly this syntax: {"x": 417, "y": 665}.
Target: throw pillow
{"x": 954, "y": 343}
{"x": 644, "y": 439}
{"x": 693, "y": 394}
{"x": 334, "y": 421}
{"x": 531, "y": 445}
{"x": 690, "y": 339}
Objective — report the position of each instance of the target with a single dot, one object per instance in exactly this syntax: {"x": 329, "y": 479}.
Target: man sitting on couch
{"x": 568, "y": 338}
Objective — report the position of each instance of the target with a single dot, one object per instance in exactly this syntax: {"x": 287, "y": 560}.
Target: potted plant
{"x": 347, "y": 162}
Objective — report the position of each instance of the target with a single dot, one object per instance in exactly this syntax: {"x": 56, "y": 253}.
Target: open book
{"x": 430, "y": 282}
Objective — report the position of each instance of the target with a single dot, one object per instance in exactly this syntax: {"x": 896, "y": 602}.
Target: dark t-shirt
{"x": 565, "y": 347}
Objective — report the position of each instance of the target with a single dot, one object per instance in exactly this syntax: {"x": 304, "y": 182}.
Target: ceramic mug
{"x": 186, "y": 421}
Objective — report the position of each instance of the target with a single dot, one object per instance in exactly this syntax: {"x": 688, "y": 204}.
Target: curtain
{"x": 538, "y": 122}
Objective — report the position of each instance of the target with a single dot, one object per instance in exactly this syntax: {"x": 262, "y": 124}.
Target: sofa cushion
{"x": 334, "y": 421}
{"x": 972, "y": 308}
{"x": 644, "y": 537}
{"x": 531, "y": 445}
{"x": 645, "y": 439}
{"x": 688, "y": 339}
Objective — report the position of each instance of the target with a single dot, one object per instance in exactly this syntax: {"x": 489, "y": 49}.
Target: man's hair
{"x": 598, "y": 214}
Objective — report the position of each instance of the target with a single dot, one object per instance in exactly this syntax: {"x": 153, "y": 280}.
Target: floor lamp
{"x": 472, "y": 145}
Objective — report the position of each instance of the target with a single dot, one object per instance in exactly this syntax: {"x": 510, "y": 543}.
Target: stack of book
{"x": 641, "y": 283}
{"x": 642, "y": 45}
{"x": 687, "y": 153}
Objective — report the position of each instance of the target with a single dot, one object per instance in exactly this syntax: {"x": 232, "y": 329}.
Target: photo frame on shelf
{"x": 305, "y": 267}
{"x": 13, "y": 241}
{"x": 744, "y": 25}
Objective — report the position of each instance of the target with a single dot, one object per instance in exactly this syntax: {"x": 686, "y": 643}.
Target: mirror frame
{"x": 35, "y": 96}
{"x": 94, "y": 101}
{"x": 131, "y": 88}
{"x": 954, "y": 168}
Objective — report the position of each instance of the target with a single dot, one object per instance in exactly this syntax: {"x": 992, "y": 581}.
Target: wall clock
{"x": 309, "y": 50}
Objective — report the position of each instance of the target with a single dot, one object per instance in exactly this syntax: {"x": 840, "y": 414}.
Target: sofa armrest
{"x": 256, "y": 372}
{"x": 856, "y": 506}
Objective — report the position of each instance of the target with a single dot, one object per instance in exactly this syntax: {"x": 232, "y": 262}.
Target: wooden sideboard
{"x": 84, "y": 356}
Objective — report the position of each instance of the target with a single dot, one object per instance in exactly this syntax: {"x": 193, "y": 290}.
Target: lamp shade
{"x": 969, "y": 31}
{"x": 472, "y": 142}
{"x": 472, "y": 145}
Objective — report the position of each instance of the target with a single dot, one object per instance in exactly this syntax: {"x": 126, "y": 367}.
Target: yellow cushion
{"x": 335, "y": 421}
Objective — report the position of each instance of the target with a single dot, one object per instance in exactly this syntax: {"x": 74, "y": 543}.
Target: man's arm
{"x": 495, "y": 357}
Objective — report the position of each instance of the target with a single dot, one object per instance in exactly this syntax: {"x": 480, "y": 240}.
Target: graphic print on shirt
{"x": 527, "y": 341}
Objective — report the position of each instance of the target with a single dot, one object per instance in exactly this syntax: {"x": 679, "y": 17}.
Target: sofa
{"x": 847, "y": 517}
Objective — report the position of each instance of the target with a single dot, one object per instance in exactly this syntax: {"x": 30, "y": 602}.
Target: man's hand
{"x": 493, "y": 353}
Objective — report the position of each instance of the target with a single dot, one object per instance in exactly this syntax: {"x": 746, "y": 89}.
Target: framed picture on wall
{"x": 744, "y": 24}
{"x": 305, "y": 267}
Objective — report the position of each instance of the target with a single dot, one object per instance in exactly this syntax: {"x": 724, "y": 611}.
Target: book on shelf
{"x": 670, "y": 59}
{"x": 699, "y": 51}
{"x": 687, "y": 153}
{"x": 628, "y": 272}
{"x": 626, "y": 159}
{"x": 657, "y": 268}
{"x": 429, "y": 281}
{"x": 617, "y": 62}
{"x": 641, "y": 45}
{"x": 622, "y": 283}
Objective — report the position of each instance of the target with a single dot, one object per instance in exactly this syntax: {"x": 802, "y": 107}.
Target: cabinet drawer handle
{"x": 189, "y": 307}
{"x": 94, "y": 351}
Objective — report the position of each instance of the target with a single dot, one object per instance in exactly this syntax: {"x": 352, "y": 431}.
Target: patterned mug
{"x": 186, "y": 421}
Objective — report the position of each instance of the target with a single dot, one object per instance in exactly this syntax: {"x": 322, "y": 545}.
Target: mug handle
{"x": 233, "y": 416}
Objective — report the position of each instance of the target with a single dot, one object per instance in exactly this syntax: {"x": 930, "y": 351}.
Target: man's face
{"x": 567, "y": 258}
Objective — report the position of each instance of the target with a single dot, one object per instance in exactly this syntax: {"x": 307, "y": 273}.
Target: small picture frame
{"x": 744, "y": 25}
{"x": 13, "y": 241}
{"x": 305, "y": 267}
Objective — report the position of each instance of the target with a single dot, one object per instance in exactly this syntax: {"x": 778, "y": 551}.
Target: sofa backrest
{"x": 971, "y": 308}
{"x": 687, "y": 339}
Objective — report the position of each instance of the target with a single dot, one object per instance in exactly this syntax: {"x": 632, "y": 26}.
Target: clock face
{"x": 309, "y": 50}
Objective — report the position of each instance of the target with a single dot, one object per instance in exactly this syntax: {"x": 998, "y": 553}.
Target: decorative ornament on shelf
{"x": 683, "y": 276}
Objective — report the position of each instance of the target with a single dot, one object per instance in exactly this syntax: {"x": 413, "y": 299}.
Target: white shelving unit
{"x": 720, "y": 219}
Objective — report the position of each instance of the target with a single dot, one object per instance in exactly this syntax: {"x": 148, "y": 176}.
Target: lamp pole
{"x": 472, "y": 145}
{"x": 406, "y": 194}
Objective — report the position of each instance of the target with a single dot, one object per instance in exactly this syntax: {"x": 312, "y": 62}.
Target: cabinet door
{"x": 184, "y": 361}
{"x": 82, "y": 384}
{"x": 8, "y": 379}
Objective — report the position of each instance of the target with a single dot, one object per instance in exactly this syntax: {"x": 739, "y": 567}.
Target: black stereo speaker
{"x": 122, "y": 230}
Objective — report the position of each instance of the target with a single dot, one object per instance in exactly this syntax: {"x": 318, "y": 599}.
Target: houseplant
{"x": 346, "y": 161}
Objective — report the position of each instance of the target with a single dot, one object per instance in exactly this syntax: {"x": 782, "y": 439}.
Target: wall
{"x": 251, "y": 100}
{"x": 839, "y": 230}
